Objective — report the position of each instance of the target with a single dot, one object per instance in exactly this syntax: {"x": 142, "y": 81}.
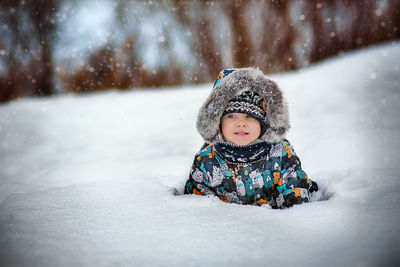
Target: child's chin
{"x": 241, "y": 142}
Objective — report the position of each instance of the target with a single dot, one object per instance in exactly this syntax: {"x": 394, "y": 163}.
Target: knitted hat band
{"x": 247, "y": 102}
{"x": 244, "y": 107}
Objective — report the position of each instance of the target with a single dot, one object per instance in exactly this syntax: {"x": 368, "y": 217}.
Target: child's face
{"x": 240, "y": 129}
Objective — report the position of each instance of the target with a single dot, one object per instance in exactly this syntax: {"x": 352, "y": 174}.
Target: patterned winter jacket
{"x": 276, "y": 179}
{"x": 270, "y": 173}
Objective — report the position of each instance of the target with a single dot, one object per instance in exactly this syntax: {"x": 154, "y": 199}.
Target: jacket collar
{"x": 242, "y": 154}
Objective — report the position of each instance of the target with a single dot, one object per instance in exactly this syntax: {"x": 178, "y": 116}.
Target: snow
{"x": 96, "y": 179}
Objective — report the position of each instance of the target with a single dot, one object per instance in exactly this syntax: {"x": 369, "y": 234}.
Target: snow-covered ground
{"x": 96, "y": 179}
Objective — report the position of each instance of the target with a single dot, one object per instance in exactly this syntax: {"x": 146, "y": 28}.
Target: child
{"x": 246, "y": 158}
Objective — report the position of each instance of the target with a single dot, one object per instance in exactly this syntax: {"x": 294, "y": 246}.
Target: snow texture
{"x": 96, "y": 179}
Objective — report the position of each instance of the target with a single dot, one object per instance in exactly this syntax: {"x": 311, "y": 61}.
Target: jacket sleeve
{"x": 292, "y": 186}
{"x": 198, "y": 183}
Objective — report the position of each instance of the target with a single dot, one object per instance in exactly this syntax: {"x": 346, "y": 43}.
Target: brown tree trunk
{"x": 243, "y": 55}
{"x": 41, "y": 13}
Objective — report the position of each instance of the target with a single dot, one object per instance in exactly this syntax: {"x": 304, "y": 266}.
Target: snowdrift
{"x": 96, "y": 180}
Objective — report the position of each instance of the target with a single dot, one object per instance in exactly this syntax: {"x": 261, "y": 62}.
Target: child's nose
{"x": 241, "y": 123}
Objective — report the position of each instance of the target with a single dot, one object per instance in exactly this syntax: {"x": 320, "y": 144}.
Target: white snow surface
{"x": 97, "y": 179}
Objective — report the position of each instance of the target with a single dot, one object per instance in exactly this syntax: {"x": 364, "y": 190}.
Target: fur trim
{"x": 208, "y": 119}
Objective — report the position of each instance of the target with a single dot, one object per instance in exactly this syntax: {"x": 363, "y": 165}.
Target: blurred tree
{"x": 344, "y": 25}
{"x": 279, "y": 43}
{"x": 243, "y": 54}
{"x": 205, "y": 48}
{"x": 160, "y": 43}
{"x": 97, "y": 74}
{"x": 129, "y": 72}
{"x": 27, "y": 39}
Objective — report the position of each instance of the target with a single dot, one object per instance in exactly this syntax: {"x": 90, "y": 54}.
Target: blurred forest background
{"x": 55, "y": 46}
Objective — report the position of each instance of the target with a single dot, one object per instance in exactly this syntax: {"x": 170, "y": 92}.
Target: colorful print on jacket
{"x": 276, "y": 179}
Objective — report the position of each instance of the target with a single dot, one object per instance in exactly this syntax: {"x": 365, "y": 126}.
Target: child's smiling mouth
{"x": 241, "y": 133}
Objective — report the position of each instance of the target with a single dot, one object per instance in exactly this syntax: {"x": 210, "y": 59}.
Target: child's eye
{"x": 231, "y": 116}
{"x": 250, "y": 117}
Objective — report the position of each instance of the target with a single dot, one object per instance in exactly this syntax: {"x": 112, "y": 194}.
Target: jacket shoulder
{"x": 206, "y": 151}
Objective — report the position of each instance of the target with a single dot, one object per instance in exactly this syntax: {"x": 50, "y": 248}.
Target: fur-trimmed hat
{"x": 232, "y": 83}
